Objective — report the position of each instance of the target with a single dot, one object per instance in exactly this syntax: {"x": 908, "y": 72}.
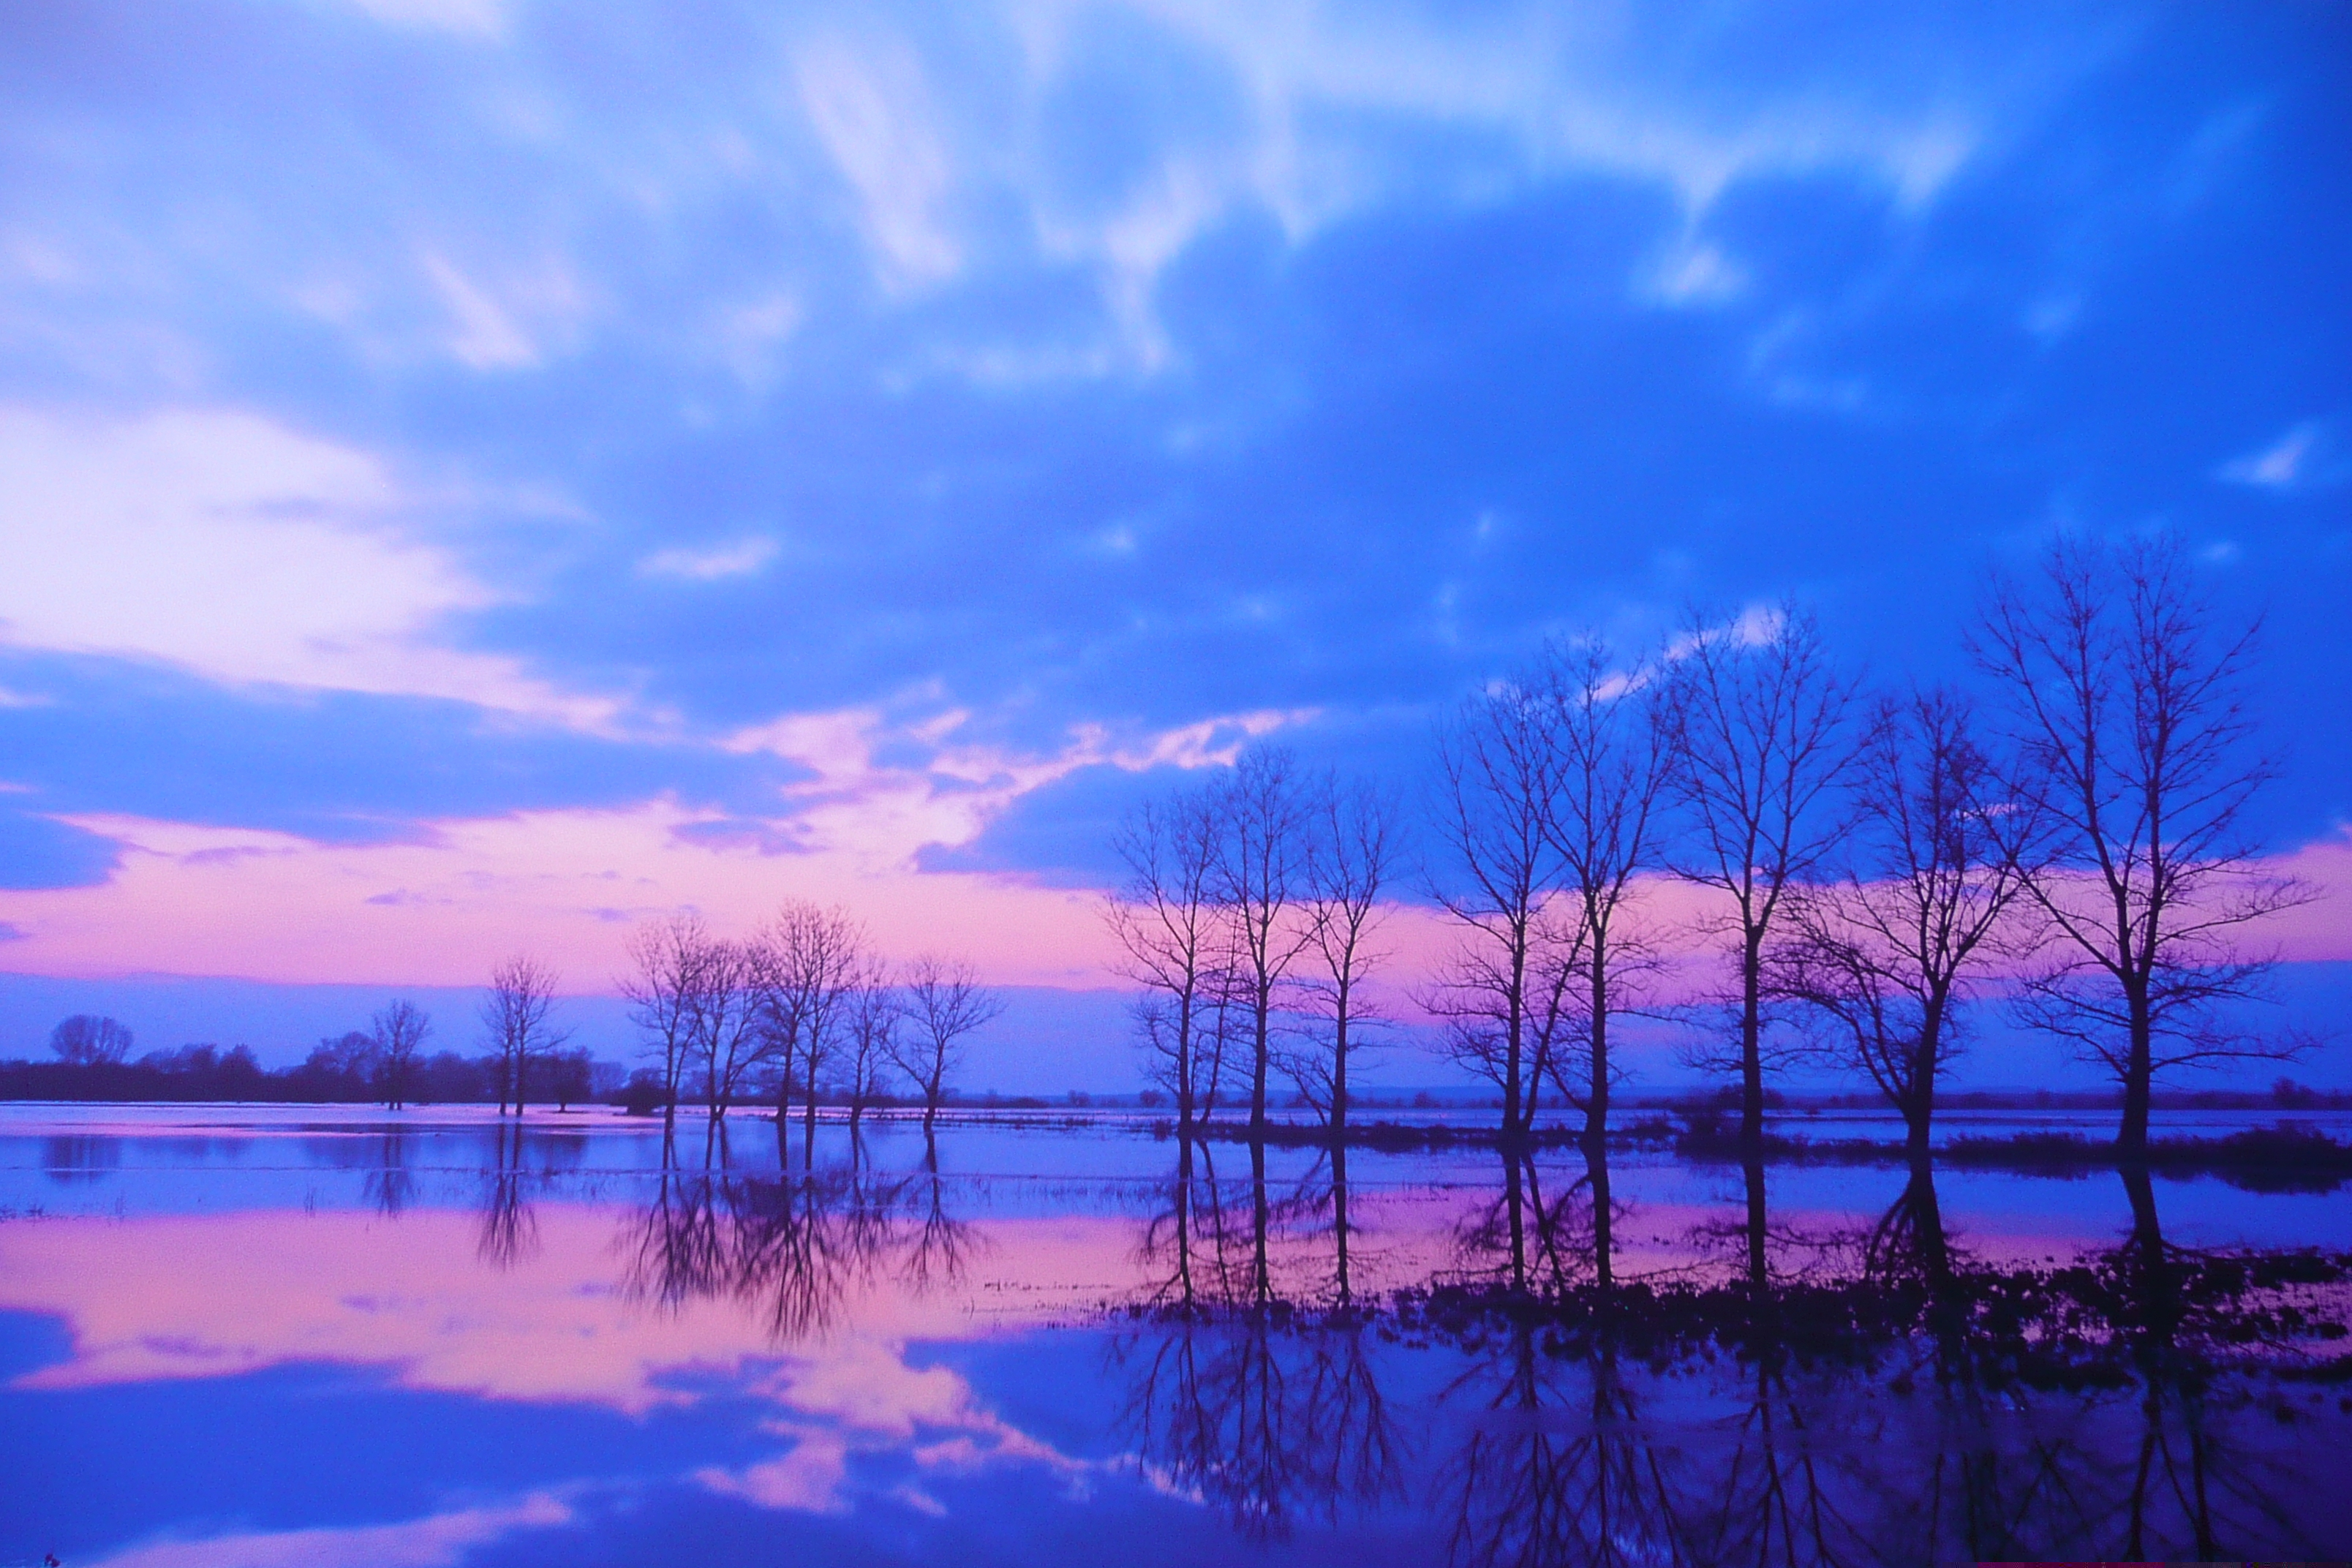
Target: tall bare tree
{"x": 1761, "y": 741}
{"x": 875, "y": 1015}
{"x": 1886, "y": 956}
{"x": 664, "y": 990}
{"x": 812, "y": 957}
{"x": 1261, "y": 811}
{"x": 1166, "y": 919}
{"x": 1608, "y": 726}
{"x": 400, "y": 1032}
{"x": 2126, "y": 702}
{"x": 727, "y": 1039}
{"x": 1502, "y": 994}
{"x": 1352, "y": 840}
{"x": 516, "y": 1015}
{"x": 943, "y": 1003}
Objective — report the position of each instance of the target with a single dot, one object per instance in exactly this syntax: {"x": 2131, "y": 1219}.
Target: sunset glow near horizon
{"x": 475, "y": 477}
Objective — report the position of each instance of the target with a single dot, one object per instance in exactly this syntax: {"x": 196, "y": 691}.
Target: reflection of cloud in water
{"x": 427, "y": 1543}
{"x": 199, "y": 1297}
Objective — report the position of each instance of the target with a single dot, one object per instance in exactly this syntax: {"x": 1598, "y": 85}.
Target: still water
{"x": 241, "y": 1335}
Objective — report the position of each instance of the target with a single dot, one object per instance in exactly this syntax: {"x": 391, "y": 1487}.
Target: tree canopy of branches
{"x": 2127, "y": 705}
{"x": 1350, "y": 849}
{"x": 399, "y": 1032}
{"x": 1760, "y": 741}
{"x": 870, "y": 1040}
{"x": 517, "y": 1016}
{"x": 1884, "y": 956}
{"x": 87, "y": 1039}
{"x": 1608, "y": 728}
{"x": 943, "y": 1003}
{"x": 1503, "y": 994}
{"x": 812, "y": 958}
{"x": 664, "y": 988}
{"x": 1166, "y": 919}
{"x": 1260, "y": 810}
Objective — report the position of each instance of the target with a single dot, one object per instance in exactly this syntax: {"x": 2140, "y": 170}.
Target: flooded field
{"x": 243, "y": 1335}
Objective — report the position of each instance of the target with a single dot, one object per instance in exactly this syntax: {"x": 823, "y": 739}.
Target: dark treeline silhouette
{"x": 337, "y": 1073}
{"x": 2073, "y": 843}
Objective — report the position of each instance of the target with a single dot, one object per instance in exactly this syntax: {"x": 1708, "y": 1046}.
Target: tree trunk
{"x": 1257, "y": 1072}
{"x": 1751, "y": 1046}
{"x": 1759, "y": 1273}
{"x": 2131, "y": 1140}
{"x": 1596, "y": 1167}
{"x": 1340, "y": 1074}
{"x": 1596, "y": 1106}
{"x": 1339, "y": 1215}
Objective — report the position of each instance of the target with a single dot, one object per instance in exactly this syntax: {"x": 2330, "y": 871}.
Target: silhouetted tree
{"x": 517, "y": 1017}
{"x": 87, "y": 1039}
{"x": 664, "y": 990}
{"x": 1165, "y": 917}
{"x": 1613, "y": 761}
{"x": 811, "y": 957}
{"x": 1503, "y": 994}
{"x": 1885, "y": 955}
{"x": 2135, "y": 747}
{"x": 1260, "y": 813}
{"x": 401, "y": 1029}
{"x": 943, "y": 1003}
{"x": 1760, "y": 741}
{"x": 1349, "y": 842}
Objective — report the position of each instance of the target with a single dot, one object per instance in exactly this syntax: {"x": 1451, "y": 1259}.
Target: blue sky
{"x": 448, "y": 447}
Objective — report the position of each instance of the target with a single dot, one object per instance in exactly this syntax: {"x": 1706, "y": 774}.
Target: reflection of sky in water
{"x": 307, "y": 1339}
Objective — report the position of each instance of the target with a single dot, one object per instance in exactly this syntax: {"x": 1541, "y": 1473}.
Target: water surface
{"x": 305, "y": 1334}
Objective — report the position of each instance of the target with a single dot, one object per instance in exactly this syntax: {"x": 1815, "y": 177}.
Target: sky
{"x": 475, "y": 475}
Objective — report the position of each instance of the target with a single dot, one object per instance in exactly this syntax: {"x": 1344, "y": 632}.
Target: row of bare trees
{"x": 1249, "y": 920}
{"x": 1873, "y": 861}
{"x": 803, "y": 1008}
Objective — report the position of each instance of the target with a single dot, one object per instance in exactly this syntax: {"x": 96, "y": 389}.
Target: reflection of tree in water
{"x": 1231, "y": 1393}
{"x": 387, "y": 1183}
{"x": 520, "y": 1163}
{"x": 68, "y": 1158}
{"x": 1268, "y": 1419}
{"x": 1915, "y": 1405}
{"x": 791, "y": 1246}
{"x": 510, "y": 1224}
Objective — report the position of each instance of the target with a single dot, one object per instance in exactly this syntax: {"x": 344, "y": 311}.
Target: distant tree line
{"x": 1875, "y": 863}
{"x": 384, "y": 1064}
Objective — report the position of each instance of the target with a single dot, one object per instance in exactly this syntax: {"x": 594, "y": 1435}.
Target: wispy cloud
{"x": 2303, "y": 457}
{"x": 739, "y": 559}
{"x": 227, "y": 544}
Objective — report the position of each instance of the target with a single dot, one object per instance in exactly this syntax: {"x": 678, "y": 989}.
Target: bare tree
{"x": 1759, "y": 722}
{"x": 664, "y": 990}
{"x": 811, "y": 957}
{"x": 1261, "y": 811}
{"x": 400, "y": 1032}
{"x": 727, "y": 1037}
{"x": 1609, "y": 728}
{"x": 1502, "y": 992}
{"x": 1886, "y": 955}
{"x": 870, "y": 1043}
{"x": 87, "y": 1040}
{"x": 516, "y": 1015}
{"x": 943, "y": 1003}
{"x": 1165, "y": 917}
{"x": 2136, "y": 746}
{"x": 1351, "y": 842}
